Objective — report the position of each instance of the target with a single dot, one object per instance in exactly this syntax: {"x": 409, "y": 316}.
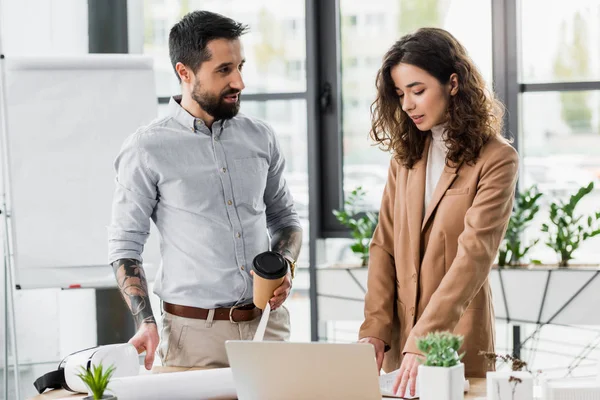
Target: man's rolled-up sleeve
{"x": 133, "y": 203}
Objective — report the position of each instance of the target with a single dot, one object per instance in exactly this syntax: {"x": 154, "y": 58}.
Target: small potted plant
{"x": 96, "y": 379}
{"x": 441, "y": 374}
{"x": 361, "y": 224}
{"x": 512, "y": 250}
{"x": 516, "y": 384}
{"x": 568, "y": 230}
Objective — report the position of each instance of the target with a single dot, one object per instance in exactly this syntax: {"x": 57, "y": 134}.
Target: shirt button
{"x": 239, "y": 235}
{"x": 229, "y": 202}
{"x": 412, "y": 311}
{"x": 242, "y": 267}
{"x": 414, "y": 277}
{"x": 224, "y": 169}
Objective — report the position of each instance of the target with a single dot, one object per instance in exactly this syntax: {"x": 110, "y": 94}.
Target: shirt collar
{"x": 189, "y": 121}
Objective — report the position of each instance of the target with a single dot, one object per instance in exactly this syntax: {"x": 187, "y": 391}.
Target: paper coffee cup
{"x": 270, "y": 269}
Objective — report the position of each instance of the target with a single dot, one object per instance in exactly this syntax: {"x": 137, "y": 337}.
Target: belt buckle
{"x": 231, "y": 314}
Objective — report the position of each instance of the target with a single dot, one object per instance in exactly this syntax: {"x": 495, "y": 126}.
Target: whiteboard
{"x": 67, "y": 118}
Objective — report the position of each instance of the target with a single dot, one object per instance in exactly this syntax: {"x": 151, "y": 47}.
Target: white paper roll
{"x": 262, "y": 325}
{"x": 204, "y": 384}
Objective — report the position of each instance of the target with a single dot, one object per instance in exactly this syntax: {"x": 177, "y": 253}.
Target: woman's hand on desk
{"x": 407, "y": 375}
{"x": 379, "y": 349}
{"x": 146, "y": 338}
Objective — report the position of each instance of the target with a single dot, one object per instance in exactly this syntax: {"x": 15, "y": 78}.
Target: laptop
{"x": 293, "y": 371}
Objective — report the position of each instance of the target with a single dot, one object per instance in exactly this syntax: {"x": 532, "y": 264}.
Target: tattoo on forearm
{"x": 288, "y": 241}
{"x": 132, "y": 283}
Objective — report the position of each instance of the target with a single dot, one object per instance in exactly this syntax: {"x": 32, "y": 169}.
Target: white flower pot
{"x": 500, "y": 386}
{"x": 440, "y": 383}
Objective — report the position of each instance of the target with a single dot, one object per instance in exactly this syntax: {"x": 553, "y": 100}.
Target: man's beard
{"x": 216, "y": 105}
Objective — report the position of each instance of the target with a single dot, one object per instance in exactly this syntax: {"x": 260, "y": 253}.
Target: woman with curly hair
{"x": 445, "y": 207}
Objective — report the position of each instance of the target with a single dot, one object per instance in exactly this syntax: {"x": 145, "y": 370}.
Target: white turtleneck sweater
{"x": 436, "y": 160}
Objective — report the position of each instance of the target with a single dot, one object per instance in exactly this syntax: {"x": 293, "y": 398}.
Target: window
{"x": 295, "y": 69}
{"x": 294, "y": 27}
{"x": 160, "y": 35}
{"x": 559, "y": 131}
{"x": 469, "y": 21}
{"x": 373, "y": 62}
{"x": 272, "y": 40}
{"x": 564, "y": 45}
{"x": 374, "y": 23}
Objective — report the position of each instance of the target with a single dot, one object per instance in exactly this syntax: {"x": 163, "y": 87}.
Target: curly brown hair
{"x": 474, "y": 114}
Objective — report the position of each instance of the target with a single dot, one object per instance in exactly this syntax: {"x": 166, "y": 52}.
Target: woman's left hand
{"x": 407, "y": 375}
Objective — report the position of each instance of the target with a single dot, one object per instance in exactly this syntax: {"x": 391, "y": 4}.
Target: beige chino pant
{"x": 188, "y": 342}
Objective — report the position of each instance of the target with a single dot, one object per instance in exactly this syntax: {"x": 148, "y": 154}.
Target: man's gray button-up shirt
{"x": 213, "y": 196}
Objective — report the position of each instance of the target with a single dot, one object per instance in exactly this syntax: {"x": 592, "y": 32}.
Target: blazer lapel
{"x": 448, "y": 176}
{"x": 415, "y": 198}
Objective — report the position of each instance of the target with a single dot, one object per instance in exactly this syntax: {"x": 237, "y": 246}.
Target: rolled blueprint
{"x": 203, "y": 384}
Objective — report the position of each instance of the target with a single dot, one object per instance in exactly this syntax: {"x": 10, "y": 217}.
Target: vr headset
{"x": 124, "y": 357}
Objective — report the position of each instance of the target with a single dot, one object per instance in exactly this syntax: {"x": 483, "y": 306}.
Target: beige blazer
{"x": 428, "y": 269}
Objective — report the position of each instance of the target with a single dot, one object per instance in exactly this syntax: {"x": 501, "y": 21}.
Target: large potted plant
{"x": 441, "y": 374}
{"x": 566, "y": 229}
{"x": 512, "y": 250}
{"x": 96, "y": 379}
{"x": 361, "y": 224}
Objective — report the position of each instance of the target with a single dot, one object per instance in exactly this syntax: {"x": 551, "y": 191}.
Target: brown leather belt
{"x": 243, "y": 313}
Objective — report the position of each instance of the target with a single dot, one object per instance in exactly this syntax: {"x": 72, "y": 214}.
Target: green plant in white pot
{"x": 96, "y": 379}
{"x": 441, "y": 374}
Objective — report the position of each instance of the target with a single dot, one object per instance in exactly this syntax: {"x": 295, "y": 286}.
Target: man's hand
{"x": 282, "y": 292}
{"x": 379, "y": 349}
{"x": 407, "y": 375}
{"x": 146, "y": 339}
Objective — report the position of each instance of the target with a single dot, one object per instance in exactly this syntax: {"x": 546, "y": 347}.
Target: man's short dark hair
{"x": 190, "y": 36}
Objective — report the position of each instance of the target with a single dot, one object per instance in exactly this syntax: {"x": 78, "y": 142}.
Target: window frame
{"x": 324, "y": 113}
